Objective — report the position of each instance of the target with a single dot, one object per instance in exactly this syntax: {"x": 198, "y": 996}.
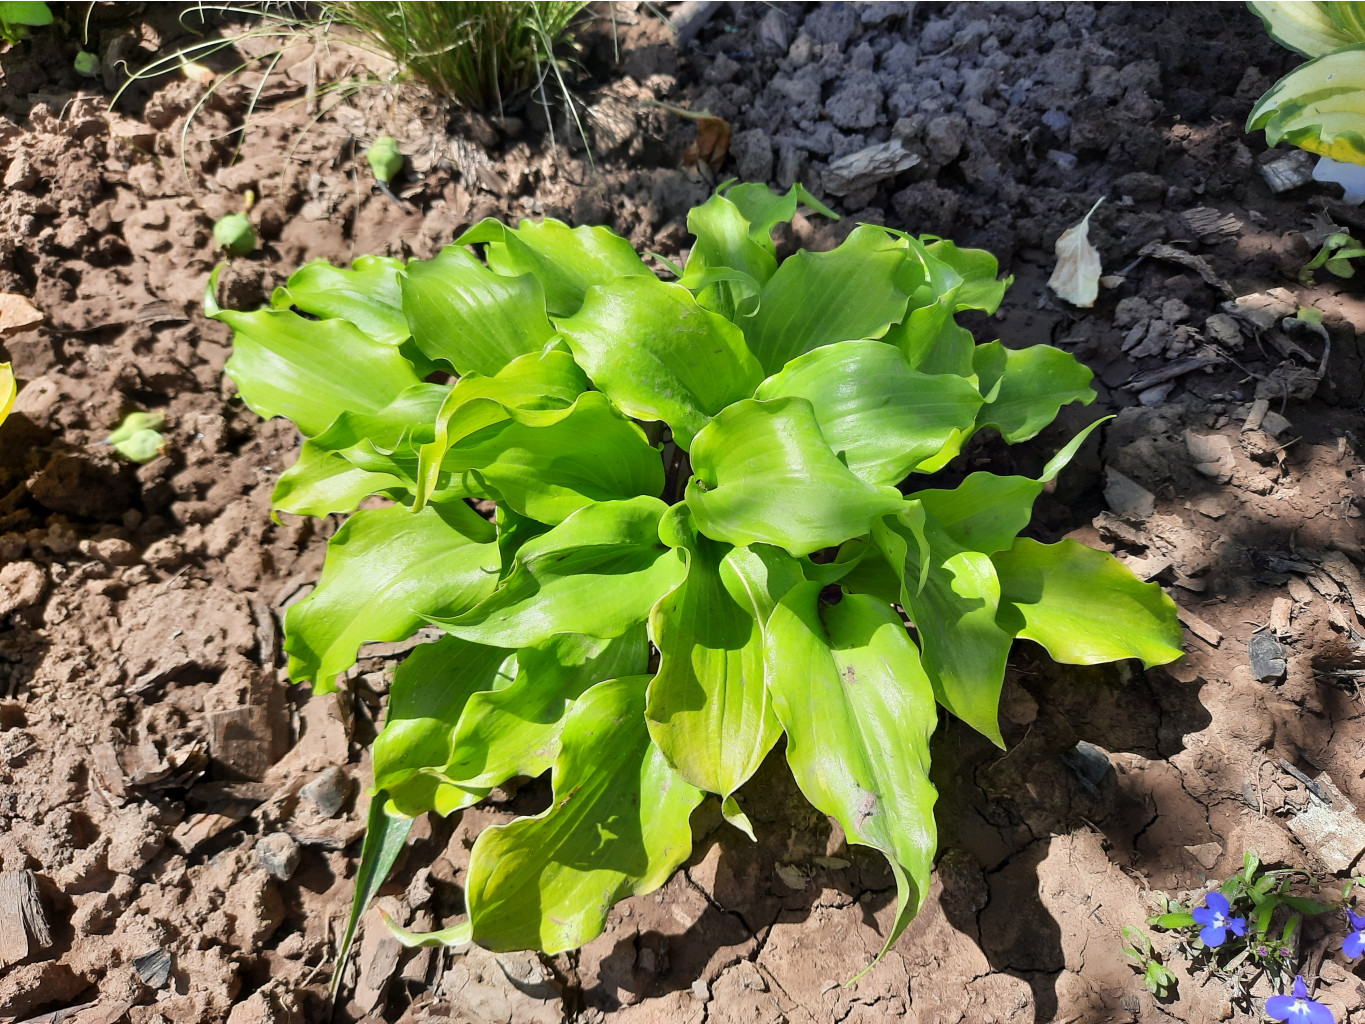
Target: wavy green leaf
{"x": 321, "y": 483}
{"x": 764, "y": 209}
{"x": 981, "y": 287}
{"x": 1319, "y": 107}
{"x": 386, "y": 571}
{"x": 847, "y": 685}
{"x": 877, "y": 414}
{"x": 310, "y": 371}
{"x": 681, "y": 363}
{"x": 1084, "y": 606}
{"x": 764, "y": 474}
{"x": 549, "y": 464}
{"x": 725, "y": 249}
{"x": 597, "y": 573}
{"x": 515, "y": 729}
{"x": 952, "y": 596}
{"x": 1024, "y": 388}
{"x": 566, "y": 261}
{"x": 618, "y": 827}
{"x": 932, "y": 341}
{"x": 540, "y": 380}
{"x": 368, "y": 295}
{"x": 430, "y": 691}
{"x": 464, "y": 314}
{"x": 707, "y": 707}
{"x": 850, "y": 293}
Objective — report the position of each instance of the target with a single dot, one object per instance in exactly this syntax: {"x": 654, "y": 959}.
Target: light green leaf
{"x": 951, "y": 596}
{"x": 368, "y": 295}
{"x": 1024, "y": 388}
{"x": 387, "y": 570}
{"x": 764, "y": 209}
{"x": 462, "y": 313}
{"x": 658, "y": 355}
{"x": 455, "y": 935}
{"x": 429, "y": 693}
{"x": 597, "y": 573}
{"x": 566, "y": 261}
{"x": 618, "y": 827}
{"x": 764, "y": 474}
{"x": 515, "y": 729}
{"x": 870, "y": 574}
{"x": 932, "y": 341}
{"x": 724, "y": 248}
{"x": 310, "y": 371}
{"x": 881, "y": 417}
{"x": 847, "y": 685}
{"x": 321, "y": 483}
{"x": 540, "y": 380}
{"x": 1083, "y": 605}
{"x": 980, "y": 289}
{"x": 707, "y": 707}
{"x": 817, "y": 298}
{"x": 1319, "y": 107}
{"x": 549, "y": 464}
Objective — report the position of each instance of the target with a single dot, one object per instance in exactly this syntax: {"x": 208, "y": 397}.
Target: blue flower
{"x": 1213, "y": 916}
{"x": 1354, "y": 944}
{"x": 1298, "y": 1008}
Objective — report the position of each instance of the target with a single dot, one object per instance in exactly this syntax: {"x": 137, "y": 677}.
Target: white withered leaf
{"x": 1077, "y": 277}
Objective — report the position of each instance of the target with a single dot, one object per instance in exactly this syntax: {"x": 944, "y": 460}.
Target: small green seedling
{"x": 1335, "y": 256}
{"x": 87, "y": 64}
{"x": 1157, "y": 978}
{"x": 384, "y": 159}
{"x": 138, "y": 437}
{"x": 715, "y": 509}
{"x": 234, "y": 233}
{"x": 18, "y": 16}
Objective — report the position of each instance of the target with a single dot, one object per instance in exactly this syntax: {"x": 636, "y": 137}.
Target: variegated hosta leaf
{"x": 880, "y": 417}
{"x": 1024, "y": 388}
{"x": 463, "y": 314}
{"x": 847, "y": 685}
{"x": 360, "y": 454}
{"x": 1310, "y": 27}
{"x": 850, "y": 293}
{"x": 683, "y": 365}
{"x": 539, "y": 380}
{"x": 1319, "y": 106}
{"x": 548, "y": 464}
{"x": 7, "y": 390}
{"x": 567, "y": 261}
{"x": 1085, "y": 606}
{"x": 310, "y": 371}
{"x": 597, "y": 573}
{"x": 387, "y": 570}
{"x": 762, "y": 473}
{"x": 707, "y": 707}
{"x": 367, "y": 295}
{"x": 618, "y": 827}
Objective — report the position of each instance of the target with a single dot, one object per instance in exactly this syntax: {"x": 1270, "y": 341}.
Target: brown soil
{"x": 159, "y": 777}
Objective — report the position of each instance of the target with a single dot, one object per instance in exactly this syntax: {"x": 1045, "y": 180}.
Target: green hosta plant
{"x": 1320, "y": 105}
{"x": 714, "y": 519}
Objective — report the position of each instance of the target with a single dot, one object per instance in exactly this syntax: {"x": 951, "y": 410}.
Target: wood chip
{"x": 1258, "y": 410}
{"x": 1209, "y": 225}
{"x": 1199, "y": 627}
{"x": 1198, "y": 264}
{"x": 21, "y": 917}
{"x": 1339, "y": 567}
{"x": 198, "y": 829}
{"x": 1280, "y": 611}
{"x": 17, "y": 314}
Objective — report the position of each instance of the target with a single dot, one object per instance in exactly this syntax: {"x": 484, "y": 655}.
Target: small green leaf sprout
{"x": 384, "y": 159}
{"x": 1335, "y": 256}
{"x": 234, "y": 233}
{"x": 18, "y": 16}
{"x": 87, "y": 64}
{"x": 138, "y": 437}
{"x": 1157, "y": 978}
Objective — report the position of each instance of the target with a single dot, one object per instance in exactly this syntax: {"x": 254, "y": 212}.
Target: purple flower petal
{"x": 1354, "y": 945}
{"x": 1213, "y": 936}
{"x": 1316, "y": 1013}
{"x": 1238, "y": 925}
{"x": 1300, "y": 989}
{"x": 1217, "y": 902}
{"x": 1203, "y": 916}
{"x": 1357, "y": 920}
{"x": 1279, "y": 1007}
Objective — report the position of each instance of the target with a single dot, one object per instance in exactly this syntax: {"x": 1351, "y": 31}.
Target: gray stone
{"x": 791, "y": 164}
{"x": 153, "y": 967}
{"x": 753, "y": 155}
{"x": 868, "y": 167}
{"x": 857, "y": 102}
{"x": 944, "y": 137}
{"x": 1126, "y": 497}
{"x": 937, "y": 35}
{"x": 278, "y": 854}
{"x": 1267, "y": 658}
{"x": 1090, "y": 765}
{"x": 328, "y": 792}
{"x": 774, "y": 31}
{"x": 1289, "y": 171}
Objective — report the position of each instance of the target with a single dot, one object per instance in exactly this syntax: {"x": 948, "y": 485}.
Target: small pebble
{"x": 1267, "y": 658}
{"x": 278, "y": 854}
{"x": 328, "y": 791}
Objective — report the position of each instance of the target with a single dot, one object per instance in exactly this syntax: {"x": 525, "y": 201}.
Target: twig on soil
{"x": 1312, "y": 786}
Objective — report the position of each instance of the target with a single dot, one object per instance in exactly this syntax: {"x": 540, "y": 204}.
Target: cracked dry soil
{"x": 189, "y": 822}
